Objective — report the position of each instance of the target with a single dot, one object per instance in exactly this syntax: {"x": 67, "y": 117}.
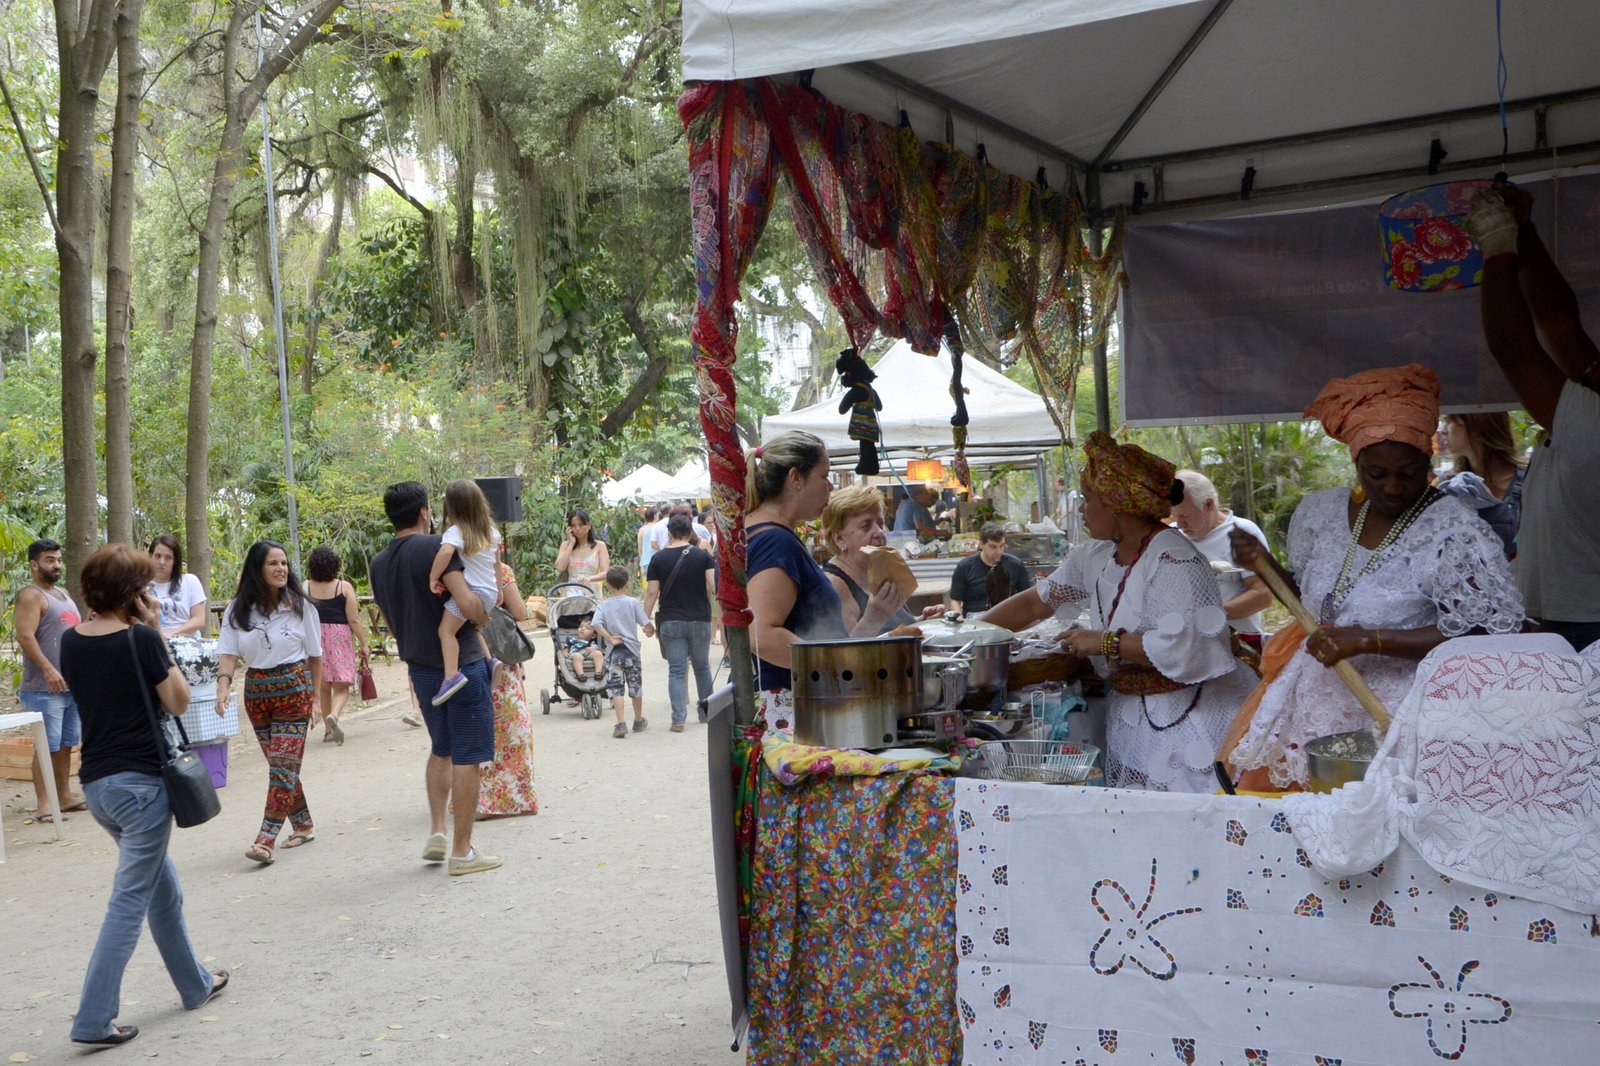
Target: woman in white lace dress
{"x": 1391, "y": 570}
{"x": 1157, "y": 630}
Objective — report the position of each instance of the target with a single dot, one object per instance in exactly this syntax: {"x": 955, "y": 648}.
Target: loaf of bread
{"x": 886, "y": 564}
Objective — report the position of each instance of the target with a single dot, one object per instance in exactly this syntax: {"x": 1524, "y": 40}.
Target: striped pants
{"x": 279, "y": 702}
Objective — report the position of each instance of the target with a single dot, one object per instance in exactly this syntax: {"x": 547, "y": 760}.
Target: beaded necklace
{"x": 1345, "y": 582}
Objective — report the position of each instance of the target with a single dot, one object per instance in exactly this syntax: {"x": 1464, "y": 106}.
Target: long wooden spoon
{"x": 1347, "y": 673}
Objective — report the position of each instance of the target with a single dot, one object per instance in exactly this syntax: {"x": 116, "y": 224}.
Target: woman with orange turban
{"x": 1391, "y": 569}
{"x": 1156, "y": 630}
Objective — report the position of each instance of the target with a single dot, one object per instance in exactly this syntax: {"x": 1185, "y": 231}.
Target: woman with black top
{"x": 344, "y": 639}
{"x": 121, "y": 776}
{"x": 682, "y": 578}
{"x": 790, "y": 597}
{"x": 852, "y": 521}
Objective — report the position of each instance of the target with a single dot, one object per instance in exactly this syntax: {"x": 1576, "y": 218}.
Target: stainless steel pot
{"x": 852, "y": 693}
{"x": 933, "y": 675}
{"x": 1339, "y": 759}
{"x": 990, "y": 653}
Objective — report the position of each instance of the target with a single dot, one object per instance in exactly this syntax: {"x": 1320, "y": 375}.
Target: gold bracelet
{"x": 1108, "y": 644}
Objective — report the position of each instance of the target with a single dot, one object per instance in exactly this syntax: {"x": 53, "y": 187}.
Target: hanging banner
{"x": 1245, "y": 319}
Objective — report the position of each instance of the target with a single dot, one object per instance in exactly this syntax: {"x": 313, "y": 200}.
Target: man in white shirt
{"x": 1201, "y": 518}
{"x": 659, "y": 535}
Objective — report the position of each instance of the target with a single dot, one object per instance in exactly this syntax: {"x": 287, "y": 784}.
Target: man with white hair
{"x": 1201, "y": 518}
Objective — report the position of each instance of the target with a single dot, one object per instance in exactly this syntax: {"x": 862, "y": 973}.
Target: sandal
{"x": 219, "y": 981}
{"x": 120, "y": 1034}
{"x": 260, "y": 853}
{"x": 47, "y": 818}
{"x": 297, "y": 839}
{"x": 331, "y": 731}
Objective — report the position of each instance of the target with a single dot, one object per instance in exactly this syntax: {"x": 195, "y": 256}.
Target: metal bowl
{"x": 1340, "y": 759}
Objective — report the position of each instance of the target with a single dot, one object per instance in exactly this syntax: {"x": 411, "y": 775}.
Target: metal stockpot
{"x": 852, "y": 693}
{"x": 990, "y": 653}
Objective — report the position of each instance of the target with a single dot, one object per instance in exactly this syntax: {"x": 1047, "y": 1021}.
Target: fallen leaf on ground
{"x": 23, "y": 1056}
{"x": 342, "y": 917}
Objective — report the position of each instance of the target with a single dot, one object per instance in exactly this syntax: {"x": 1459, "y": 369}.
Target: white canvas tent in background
{"x": 1008, "y": 421}
{"x": 645, "y": 483}
{"x": 691, "y": 482}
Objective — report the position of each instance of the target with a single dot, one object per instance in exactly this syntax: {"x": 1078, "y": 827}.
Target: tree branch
{"x": 33, "y": 160}
{"x": 647, "y": 380}
{"x": 422, "y": 209}
{"x": 653, "y": 39}
{"x": 309, "y": 19}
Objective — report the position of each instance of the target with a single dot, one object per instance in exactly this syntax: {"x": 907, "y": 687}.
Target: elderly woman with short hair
{"x": 851, "y": 522}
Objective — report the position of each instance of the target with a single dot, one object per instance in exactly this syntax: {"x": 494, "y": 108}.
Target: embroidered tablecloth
{"x": 1103, "y": 927}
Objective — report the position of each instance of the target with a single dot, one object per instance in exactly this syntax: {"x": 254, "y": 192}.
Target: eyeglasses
{"x": 266, "y": 637}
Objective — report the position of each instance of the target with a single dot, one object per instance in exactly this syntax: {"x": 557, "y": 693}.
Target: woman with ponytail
{"x": 791, "y": 597}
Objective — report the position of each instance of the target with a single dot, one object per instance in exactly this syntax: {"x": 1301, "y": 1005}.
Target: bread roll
{"x": 886, "y": 564}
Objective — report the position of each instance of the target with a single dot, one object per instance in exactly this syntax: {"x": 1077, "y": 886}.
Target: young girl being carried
{"x": 470, "y": 531}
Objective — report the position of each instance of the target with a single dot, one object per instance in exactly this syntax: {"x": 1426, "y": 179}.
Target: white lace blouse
{"x": 1171, "y": 599}
{"x": 1448, "y": 569}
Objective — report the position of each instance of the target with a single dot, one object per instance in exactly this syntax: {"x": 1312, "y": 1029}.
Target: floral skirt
{"x": 507, "y": 787}
{"x": 338, "y": 654}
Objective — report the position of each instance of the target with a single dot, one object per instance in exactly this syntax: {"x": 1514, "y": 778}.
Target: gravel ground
{"x": 595, "y": 943}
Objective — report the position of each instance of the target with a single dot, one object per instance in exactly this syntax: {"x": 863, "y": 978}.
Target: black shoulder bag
{"x": 665, "y": 585}
{"x": 190, "y": 793}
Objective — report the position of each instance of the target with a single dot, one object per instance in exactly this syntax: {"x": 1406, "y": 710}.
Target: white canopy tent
{"x": 1294, "y": 104}
{"x": 691, "y": 482}
{"x": 646, "y": 484}
{"x": 1008, "y": 421}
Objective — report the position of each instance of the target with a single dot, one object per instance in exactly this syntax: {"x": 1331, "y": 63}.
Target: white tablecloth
{"x": 1099, "y": 927}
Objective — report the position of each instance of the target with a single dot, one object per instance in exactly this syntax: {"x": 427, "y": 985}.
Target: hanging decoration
{"x": 924, "y": 470}
{"x": 907, "y": 239}
{"x": 861, "y": 400}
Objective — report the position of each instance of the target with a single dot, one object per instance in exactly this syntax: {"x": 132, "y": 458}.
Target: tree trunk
{"x": 119, "y": 260}
{"x": 84, "y": 43}
{"x": 239, "y": 103}
{"x": 330, "y": 245}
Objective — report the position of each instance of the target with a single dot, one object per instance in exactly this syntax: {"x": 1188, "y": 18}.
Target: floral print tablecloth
{"x": 852, "y": 923}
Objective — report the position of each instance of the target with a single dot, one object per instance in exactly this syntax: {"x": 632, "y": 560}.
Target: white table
{"x": 41, "y": 751}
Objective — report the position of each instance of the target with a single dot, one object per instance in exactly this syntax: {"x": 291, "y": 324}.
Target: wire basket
{"x": 1048, "y": 762}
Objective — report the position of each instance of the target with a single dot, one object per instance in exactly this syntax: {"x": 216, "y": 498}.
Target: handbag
{"x": 507, "y": 642}
{"x": 190, "y": 793}
{"x": 369, "y": 687}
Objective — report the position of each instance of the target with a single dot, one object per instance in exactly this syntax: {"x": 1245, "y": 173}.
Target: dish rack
{"x": 1048, "y": 762}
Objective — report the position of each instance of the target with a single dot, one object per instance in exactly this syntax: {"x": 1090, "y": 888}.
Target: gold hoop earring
{"x": 1358, "y": 494}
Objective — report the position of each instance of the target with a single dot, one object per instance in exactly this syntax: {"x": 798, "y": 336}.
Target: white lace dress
{"x": 1448, "y": 569}
{"x": 1172, "y": 601}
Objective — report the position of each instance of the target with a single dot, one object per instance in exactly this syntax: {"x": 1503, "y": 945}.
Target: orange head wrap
{"x": 1131, "y": 479}
{"x": 1399, "y": 403}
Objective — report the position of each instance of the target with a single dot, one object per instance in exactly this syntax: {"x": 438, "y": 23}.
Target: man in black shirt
{"x": 982, "y": 580}
{"x": 682, "y": 578}
{"x": 462, "y": 730}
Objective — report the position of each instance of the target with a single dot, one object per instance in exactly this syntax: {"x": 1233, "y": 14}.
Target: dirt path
{"x": 595, "y": 943}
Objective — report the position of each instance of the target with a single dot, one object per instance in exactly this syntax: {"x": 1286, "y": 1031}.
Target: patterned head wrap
{"x": 1131, "y": 479}
{"x": 1399, "y": 403}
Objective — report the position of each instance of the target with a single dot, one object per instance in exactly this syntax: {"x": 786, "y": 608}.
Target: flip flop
{"x": 260, "y": 853}
{"x": 47, "y": 818}
{"x": 219, "y": 981}
{"x": 297, "y": 839}
{"x": 81, "y": 805}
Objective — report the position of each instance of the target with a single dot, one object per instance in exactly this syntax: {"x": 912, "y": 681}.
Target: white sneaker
{"x": 436, "y": 848}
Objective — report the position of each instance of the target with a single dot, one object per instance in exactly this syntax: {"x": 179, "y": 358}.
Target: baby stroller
{"x": 572, "y": 603}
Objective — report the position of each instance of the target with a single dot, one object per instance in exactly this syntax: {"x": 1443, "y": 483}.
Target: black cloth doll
{"x": 861, "y": 400}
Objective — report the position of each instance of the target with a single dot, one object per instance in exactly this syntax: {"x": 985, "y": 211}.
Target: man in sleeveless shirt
{"x": 44, "y": 612}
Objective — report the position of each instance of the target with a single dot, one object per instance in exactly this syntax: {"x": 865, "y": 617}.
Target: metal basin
{"x": 852, "y": 693}
{"x": 1340, "y": 759}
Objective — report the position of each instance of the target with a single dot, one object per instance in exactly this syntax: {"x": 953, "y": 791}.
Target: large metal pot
{"x": 990, "y": 653}
{"x": 852, "y": 693}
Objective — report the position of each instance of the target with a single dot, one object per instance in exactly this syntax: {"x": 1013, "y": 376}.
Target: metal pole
{"x": 1102, "y": 375}
{"x": 277, "y": 310}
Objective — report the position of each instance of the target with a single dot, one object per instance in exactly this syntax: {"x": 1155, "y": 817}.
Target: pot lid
{"x": 950, "y": 632}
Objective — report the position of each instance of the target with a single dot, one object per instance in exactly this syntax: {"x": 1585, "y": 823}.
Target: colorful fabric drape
{"x": 906, "y": 238}
{"x": 852, "y": 939}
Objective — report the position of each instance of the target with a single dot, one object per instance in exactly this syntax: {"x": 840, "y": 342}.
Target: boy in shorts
{"x": 617, "y": 620}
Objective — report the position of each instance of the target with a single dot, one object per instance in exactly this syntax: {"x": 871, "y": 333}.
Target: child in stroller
{"x": 587, "y": 646}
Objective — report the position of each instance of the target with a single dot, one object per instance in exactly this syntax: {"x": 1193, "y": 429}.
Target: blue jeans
{"x": 462, "y": 730}
{"x": 684, "y": 643}
{"x": 62, "y": 728}
{"x": 132, "y": 807}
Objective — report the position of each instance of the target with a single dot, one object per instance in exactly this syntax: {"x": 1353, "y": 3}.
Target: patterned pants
{"x": 279, "y": 702}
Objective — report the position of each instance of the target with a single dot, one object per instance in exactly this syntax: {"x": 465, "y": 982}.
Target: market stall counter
{"x": 896, "y": 913}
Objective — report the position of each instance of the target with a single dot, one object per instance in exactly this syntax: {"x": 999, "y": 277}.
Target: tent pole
{"x": 1102, "y": 375}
